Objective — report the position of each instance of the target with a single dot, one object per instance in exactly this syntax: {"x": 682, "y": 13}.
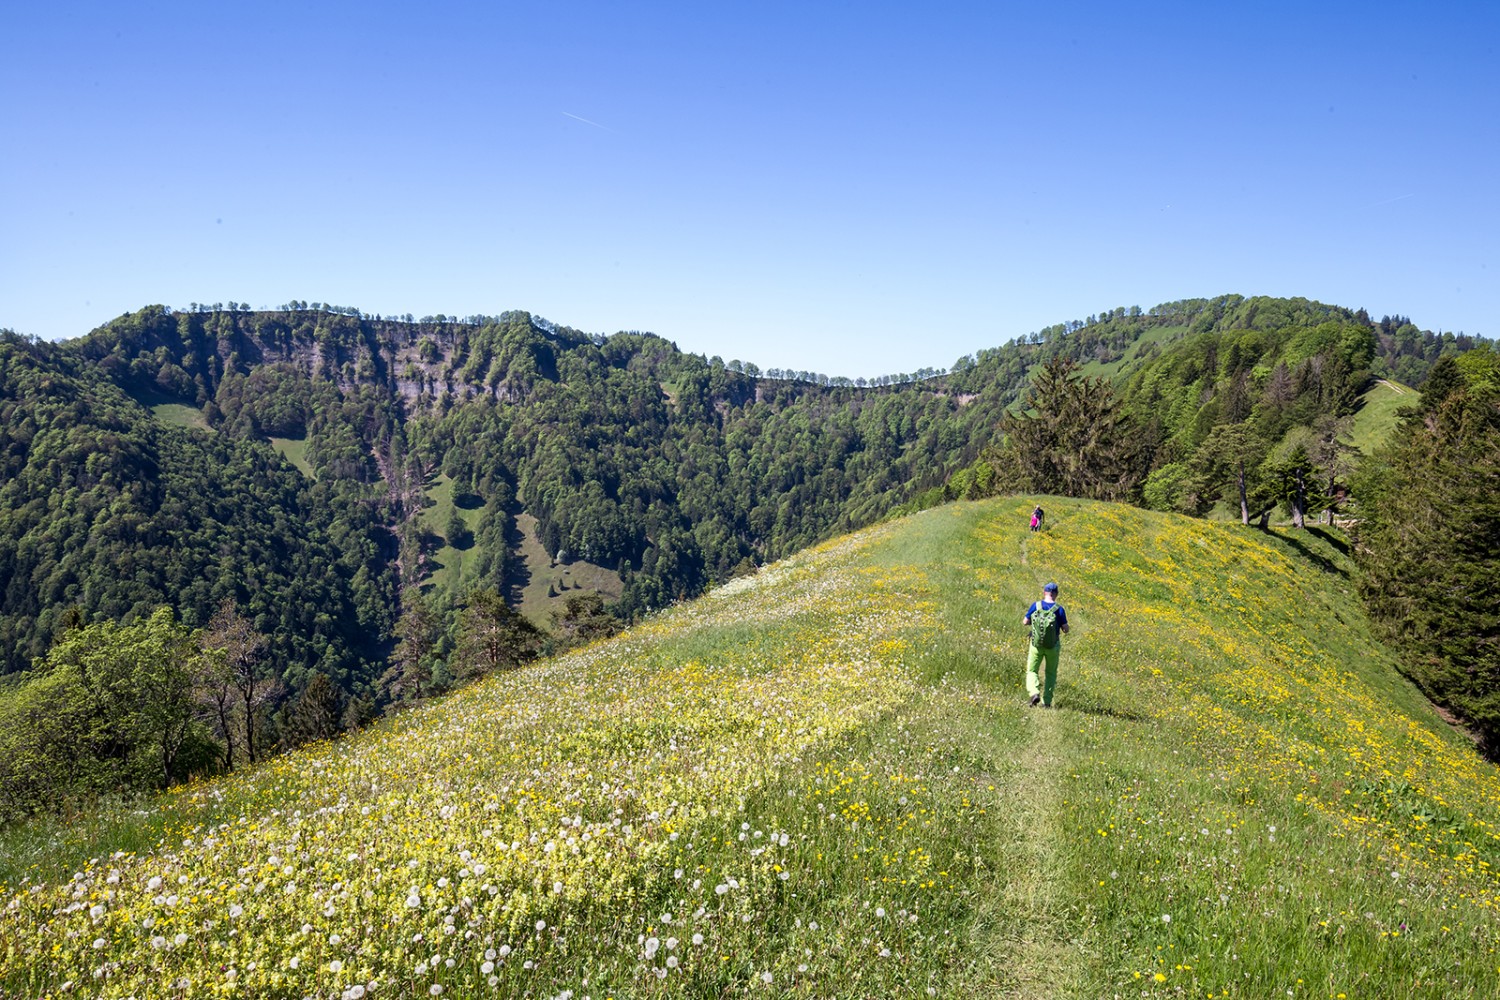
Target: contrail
{"x": 1392, "y": 201}
{"x": 587, "y": 122}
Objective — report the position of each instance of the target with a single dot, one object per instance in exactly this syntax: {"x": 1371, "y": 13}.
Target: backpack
{"x": 1044, "y": 626}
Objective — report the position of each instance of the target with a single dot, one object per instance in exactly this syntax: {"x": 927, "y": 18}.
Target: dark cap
{"x": 1051, "y": 588}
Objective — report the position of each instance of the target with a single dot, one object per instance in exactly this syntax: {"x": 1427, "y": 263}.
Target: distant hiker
{"x": 1048, "y": 621}
{"x": 1036, "y": 518}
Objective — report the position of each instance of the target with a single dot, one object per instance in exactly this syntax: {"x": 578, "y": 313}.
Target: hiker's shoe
{"x": 1035, "y": 700}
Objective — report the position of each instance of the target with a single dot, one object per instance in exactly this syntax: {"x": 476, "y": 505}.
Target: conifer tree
{"x": 494, "y": 636}
{"x": 1429, "y": 545}
{"x": 410, "y": 672}
{"x": 1078, "y": 442}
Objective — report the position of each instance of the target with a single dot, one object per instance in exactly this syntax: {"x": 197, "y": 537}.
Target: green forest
{"x": 240, "y": 503}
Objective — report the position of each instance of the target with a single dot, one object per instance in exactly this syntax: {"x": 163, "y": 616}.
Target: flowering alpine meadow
{"x": 1256, "y": 804}
{"x": 824, "y": 781}
{"x": 627, "y": 818}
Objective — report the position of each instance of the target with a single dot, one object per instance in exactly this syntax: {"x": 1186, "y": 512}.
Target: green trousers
{"x": 1044, "y": 685}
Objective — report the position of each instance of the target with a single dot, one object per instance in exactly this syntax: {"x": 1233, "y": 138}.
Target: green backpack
{"x": 1044, "y": 626}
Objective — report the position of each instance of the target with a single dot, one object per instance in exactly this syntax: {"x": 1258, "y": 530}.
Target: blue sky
{"x": 856, "y": 189}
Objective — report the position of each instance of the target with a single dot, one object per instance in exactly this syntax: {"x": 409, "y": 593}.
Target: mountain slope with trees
{"x": 672, "y": 470}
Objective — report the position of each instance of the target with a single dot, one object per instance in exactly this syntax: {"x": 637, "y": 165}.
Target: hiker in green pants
{"x": 1047, "y": 620}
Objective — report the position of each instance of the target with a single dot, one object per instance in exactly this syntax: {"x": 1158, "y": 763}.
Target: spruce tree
{"x": 1429, "y": 545}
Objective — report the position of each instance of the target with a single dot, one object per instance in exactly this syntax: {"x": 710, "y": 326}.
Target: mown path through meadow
{"x": 824, "y": 782}
{"x": 1043, "y": 959}
{"x": 1237, "y": 795}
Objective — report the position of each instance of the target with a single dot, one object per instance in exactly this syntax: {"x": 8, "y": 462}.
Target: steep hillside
{"x": 823, "y": 780}
{"x": 107, "y": 513}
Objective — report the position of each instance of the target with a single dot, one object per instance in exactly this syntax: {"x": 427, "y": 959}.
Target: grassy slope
{"x": 449, "y": 569}
{"x": 1376, "y": 418}
{"x": 170, "y": 409}
{"x": 563, "y": 580}
{"x": 1236, "y": 796}
{"x": 1130, "y": 358}
{"x": 294, "y": 450}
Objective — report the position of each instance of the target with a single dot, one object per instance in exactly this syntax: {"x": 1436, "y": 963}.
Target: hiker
{"x": 1036, "y": 518}
{"x": 1047, "y": 620}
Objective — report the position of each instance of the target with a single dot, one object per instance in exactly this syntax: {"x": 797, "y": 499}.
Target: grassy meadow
{"x": 449, "y": 569}
{"x": 823, "y": 781}
{"x": 294, "y": 450}
{"x": 549, "y": 584}
{"x": 1376, "y": 418}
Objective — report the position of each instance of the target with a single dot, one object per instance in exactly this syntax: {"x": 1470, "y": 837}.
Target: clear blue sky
{"x": 852, "y": 188}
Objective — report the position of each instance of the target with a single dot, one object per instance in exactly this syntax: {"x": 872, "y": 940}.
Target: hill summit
{"x": 824, "y": 780}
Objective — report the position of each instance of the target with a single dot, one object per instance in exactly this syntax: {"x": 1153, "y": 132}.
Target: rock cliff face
{"x": 420, "y": 363}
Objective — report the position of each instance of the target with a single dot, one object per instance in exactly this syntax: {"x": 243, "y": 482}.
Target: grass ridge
{"x": 824, "y": 782}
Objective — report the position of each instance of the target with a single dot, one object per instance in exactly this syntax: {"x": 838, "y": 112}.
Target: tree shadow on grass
{"x": 1317, "y": 559}
{"x": 1342, "y": 544}
{"x": 517, "y": 574}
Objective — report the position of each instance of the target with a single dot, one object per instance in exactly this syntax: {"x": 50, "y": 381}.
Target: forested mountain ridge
{"x": 671, "y": 470}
